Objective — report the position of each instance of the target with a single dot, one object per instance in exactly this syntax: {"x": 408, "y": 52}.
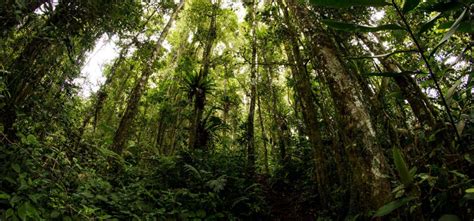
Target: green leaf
{"x": 342, "y": 26}
{"x": 239, "y": 200}
{"x": 390, "y": 207}
{"x": 469, "y": 196}
{"x": 192, "y": 171}
{"x": 409, "y": 5}
{"x": 405, "y": 177}
{"x": 451, "y": 91}
{"x": 470, "y": 190}
{"x": 32, "y": 212}
{"x": 35, "y": 197}
{"x": 349, "y": 3}
{"x": 441, "y": 6}
{"x": 87, "y": 194}
{"x": 464, "y": 26}
{"x": 449, "y": 217}
{"x": 458, "y": 174}
{"x": 4, "y": 196}
{"x": 23, "y": 211}
{"x": 467, "y": 157}
{"x": 105, "y": 217}
{"x": 428, "y": 25}
{"x": 16, "y": 167}
{"x": 31, "y": 138}
{"x": 201, "y": 213}
{"x": 102, "y": 198}
{"x": 9, "y": 213}
{"x": 109, "y": 153}
{"x": 413, "y": 171}
{"x": 218, "y": 184}
{"x": 15, "y": 200}
{"x": 449, "y": 33}
{"x": 55, "y": 214}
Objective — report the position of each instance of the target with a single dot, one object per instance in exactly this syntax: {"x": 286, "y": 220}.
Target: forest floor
{"x": 284, "y": 204}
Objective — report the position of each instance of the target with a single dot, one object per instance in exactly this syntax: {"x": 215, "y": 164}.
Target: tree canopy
{"x": 237, "y": 110}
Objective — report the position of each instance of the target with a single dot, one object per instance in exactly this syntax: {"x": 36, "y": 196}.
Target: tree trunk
{"x": 122, "y": 131}
{"x": 253, "y": 93}
{"x": 102, "y": 95}
{"x": 369, "y": 189}
{"x": 420, "y": 105}
{"x": 304, "y": 90}
{"x": 278, "y": 118}
{"x": 30, "y": 67}
{"x": 264, "y": 137}
{"x": 197, "y": 138}
{"x": 160, "y": 132}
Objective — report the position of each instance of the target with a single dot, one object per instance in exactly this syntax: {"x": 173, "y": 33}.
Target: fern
{"x": 218, "y": 184}
{"x": 193, "y": 171}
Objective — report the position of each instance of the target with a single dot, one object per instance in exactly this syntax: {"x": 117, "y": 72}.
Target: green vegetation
{"x": 229, "y": 110}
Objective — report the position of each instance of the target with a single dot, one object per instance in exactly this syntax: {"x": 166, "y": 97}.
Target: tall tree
{"x": 102, "y": 95}
{"x": 369, "y": 189}
{"x": 252, "y": 9}
{"x": 123, "y": 129}
{"x": 68, "y": 32}
{"x": 197, "y": 134}
{"x": 13, "y": 12}
{"x": 418, "y": 101}
{"x": 304, "y": 90}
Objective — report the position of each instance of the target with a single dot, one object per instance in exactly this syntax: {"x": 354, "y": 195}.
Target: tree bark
{"x": 253, "y": 93}
{"x": 421, "y": 107}
{"x": 278, "y": 118}
{"x": 102, "y": 95}
{"x": 197, "y": 137}
{"x": 369, "y": 190}
{"x": 264, "y": 137}
{"x": 304, "y": 90}
{"x": 122, "y": 131}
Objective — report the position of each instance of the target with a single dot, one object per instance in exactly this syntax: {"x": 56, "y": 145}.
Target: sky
{"x": 105, "y": 51}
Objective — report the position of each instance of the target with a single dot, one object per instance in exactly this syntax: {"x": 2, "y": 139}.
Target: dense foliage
{"x": 229, "y": 110}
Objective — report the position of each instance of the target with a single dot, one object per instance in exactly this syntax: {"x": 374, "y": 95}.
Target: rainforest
{"x": 236, "y": 110}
